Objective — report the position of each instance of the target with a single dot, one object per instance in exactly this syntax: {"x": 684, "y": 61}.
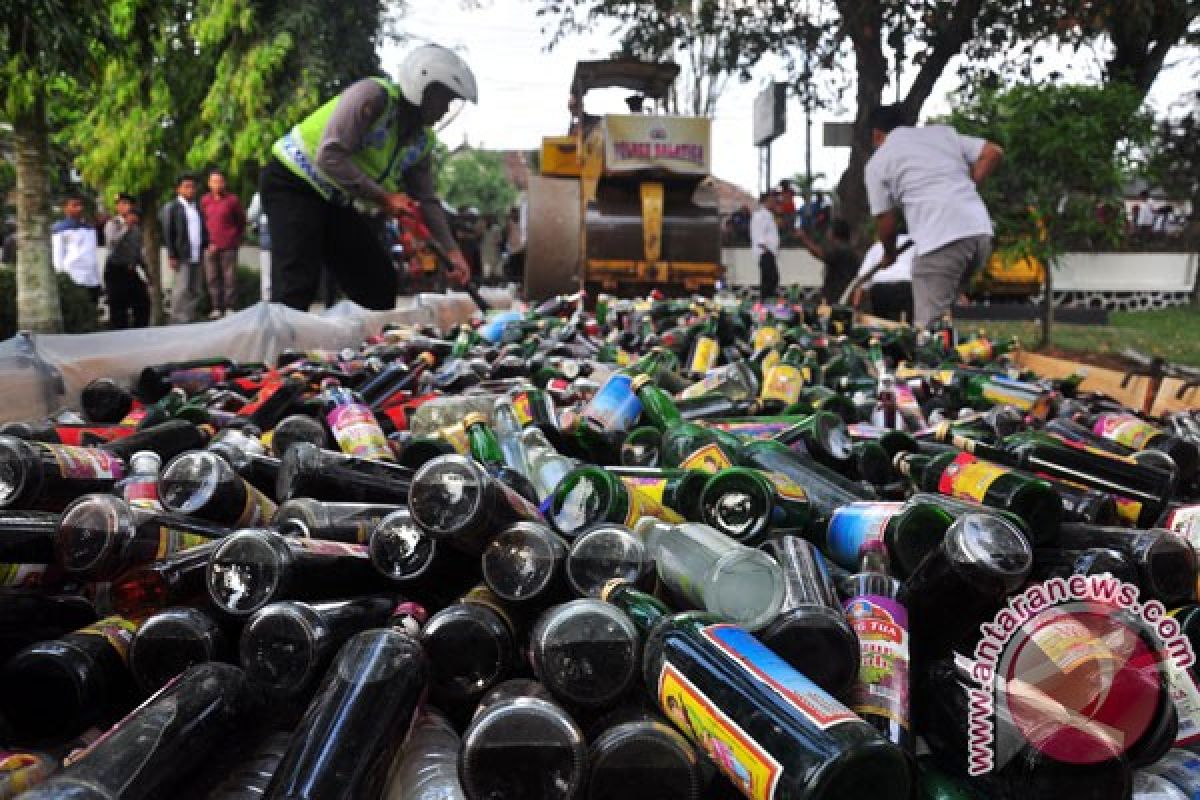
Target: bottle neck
{"x": 644, "y": 610}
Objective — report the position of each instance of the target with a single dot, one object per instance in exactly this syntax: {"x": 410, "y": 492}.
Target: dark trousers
{"x": 128, "y": 297}
{"x": 768, "y": 270}
{"x": 892, "y": 300}
{"x": 309, "y": 234}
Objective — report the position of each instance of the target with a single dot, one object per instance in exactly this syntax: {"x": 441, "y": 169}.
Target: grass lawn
{"x": 1173, "y": 333}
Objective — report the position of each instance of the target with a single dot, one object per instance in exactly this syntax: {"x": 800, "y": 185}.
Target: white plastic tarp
{"x": 40, "y": 374}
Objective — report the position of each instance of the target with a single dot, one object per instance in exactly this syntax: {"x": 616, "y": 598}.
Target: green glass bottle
{"x": 826, "y": 490}
{"x": 962, "y": 475}
{"x": 822, "y": 436}
{"x": 770, "y": 730}
{"x": 910, "y": 531}
{"x": 686, "y": 444}
{"x": 782, "y": 383}
{"x": 747, "y": 504}
{"x": 989, "y": 390}
{"x": 822, "y": 398}
{"x": 590, "y": 495}
{"x": 677, "y": 489}
{"x": 485, "y": 447}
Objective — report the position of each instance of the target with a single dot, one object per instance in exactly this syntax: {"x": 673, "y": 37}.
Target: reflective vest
{"x": 384, "y": 157}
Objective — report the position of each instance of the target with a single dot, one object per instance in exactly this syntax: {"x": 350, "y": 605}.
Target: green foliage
{"x": 476, "y": 178}
{"x": 1067, "y": 151}
{"x": 1175, "y": 156}
{"x": 78, "y": 310}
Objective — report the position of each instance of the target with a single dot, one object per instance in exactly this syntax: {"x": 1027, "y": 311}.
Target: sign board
{"x": 838, "y": 134}
{"x": 770, "y": 114}
{"x": 682, "y": 145}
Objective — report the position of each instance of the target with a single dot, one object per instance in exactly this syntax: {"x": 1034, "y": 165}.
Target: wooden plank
{"x": 1108, "y": 381}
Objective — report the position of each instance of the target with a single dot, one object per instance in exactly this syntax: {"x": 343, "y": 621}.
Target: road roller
{"x": 624, "y": 202}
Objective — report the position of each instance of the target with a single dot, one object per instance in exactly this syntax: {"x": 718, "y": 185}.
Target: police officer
{"x": 368, "y": 150}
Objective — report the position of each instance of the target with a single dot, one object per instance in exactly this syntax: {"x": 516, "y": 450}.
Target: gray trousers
{"x": 189, "y": 283}
{"x": 939, "y": 276}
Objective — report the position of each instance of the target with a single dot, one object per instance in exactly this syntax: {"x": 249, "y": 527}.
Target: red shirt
{"x": 224, "y": 219}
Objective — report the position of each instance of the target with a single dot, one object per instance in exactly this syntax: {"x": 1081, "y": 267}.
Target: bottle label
{"x": 645, "y": 505}
{"x": 1185, "y": 521}
{"x": 750, "y": 430}
{"x": 654, "y": 488}
{"x": 767, "y": 336}
{"x": 1128, "y": 511}
{"x": 854, "y": 526}
{"x": 787, "y": 488}
{"x": 358, "y": 433}
{"x": 966, "y": 477}
{"x": 710, "y": 458}
{"x": 327, "y": 548}
{"x": 999, "y": 393}
{"x": 615, "y": 407}
{"x": 882, "y": 688}
{"x": 259, "y": 509}
{"x": 197, "y": 379}
{"x": 86, "y": 463}
{"x": 707, "y": 385}
{"x": 172, "y": 541}
{"x": 141, "y": 493}
{"x": 456, "y": 436}
{"x": 22, "y": 771}
{"x": 117, "y": 630}
{"x": 864, "y": 431}
{"x": 704, "y": 355}
{"x": 978, "y": 350}
{"x": 768, "y": 669}
{"x": 742, "y": 760}
{"x": 1186, "y": 696}
{"x": 23, "y": 576}
{"x": 133, "y": 418}
{"x": 783, "y": 383}
{"x": 770, "y": 361}
{"x": 1124, "y": 429}
{"x": 521, "y": 407}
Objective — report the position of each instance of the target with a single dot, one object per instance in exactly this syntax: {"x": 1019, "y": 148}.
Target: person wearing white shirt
{"x": 73, "y": 247}
{"x": 889, "y": 289}
{"x": 256, "y": 215}
{"x": 764, "y": 242}
{"x": 1145, "y": 214}
{"x": 932, "y": 174}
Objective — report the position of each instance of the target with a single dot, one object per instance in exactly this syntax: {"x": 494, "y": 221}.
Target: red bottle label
{"x": 86, "y": 463}
{"x": 966, "y": 477}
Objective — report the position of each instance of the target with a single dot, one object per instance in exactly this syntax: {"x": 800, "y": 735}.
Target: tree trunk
{"x": 38, "y": 307}
{"x": 1048, "y": 308}
{"x": 151, "y": 246}
{"x": 864, "y": 21}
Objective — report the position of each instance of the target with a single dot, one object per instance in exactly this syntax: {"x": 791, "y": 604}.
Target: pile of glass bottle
{"x": 662, "y": 549}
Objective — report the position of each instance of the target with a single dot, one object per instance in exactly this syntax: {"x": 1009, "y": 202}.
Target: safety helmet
{"x": 433, "y": 63}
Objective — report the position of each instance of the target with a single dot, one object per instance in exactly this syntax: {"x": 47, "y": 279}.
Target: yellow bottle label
{"x": 767, "y": 336}
{"x": 704, "y": 356}
{"x": 783, "y": 383}
{"x": 772, "y": 358}
{"x": 976, "y": 350}
{"x": 752, "y": 769}
{"x": 172, "y": 541}
{"x": 787, "y": 488}
{"x": 117, "y": 630}
{"x": 968, "y": 477}
{"x": 644, "y": 505}
{"x": 710, "y": 458}
{"x": 259, "y": 509}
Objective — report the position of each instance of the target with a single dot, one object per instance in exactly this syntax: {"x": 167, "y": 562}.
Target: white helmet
{"x": 433, "y": 63}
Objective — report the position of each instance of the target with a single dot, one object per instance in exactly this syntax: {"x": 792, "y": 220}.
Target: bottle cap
{"x": 640, "y": 381}
{"x": 474, "y": 418}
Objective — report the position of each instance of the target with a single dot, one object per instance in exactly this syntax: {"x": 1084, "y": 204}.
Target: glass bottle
{"x": 522, "y": 746}
{"x": 770, "y": 730}
{"x": 677, "y": 489}
{"x": 708, "y": 570}
{"x": 1053, "y": 562}
{"x": 70, "y": 682}
{"x": 426, "y": 768}
{"x": 399, "y": 550}
{"x": 204, "y": 485}
{"x": 546, "y": 465}
{"x": 140, "y": 486}
{"x": 286, "y": 646}
{"x": 251, "y": 568}
{"x": 811, "y": 632}
{"x": 297, "y": 428}
{"x": 29, "y": 618}
{"x": 1165, "y": 563}
{"x": 962, "y": 475}
{"x": 747, "y": 504}
{"x": 166, "y": 440}
{"x": 339, "y": 522}
{"x": 585, "y": 652}
{"x": 524, "y": 564}
{"x": 456, "y": 499}
{"x": 354, "y": 426}
{"x": 909, "y": 530}
{"x": 308, "y": 471}
{"x": 99, "y": 535}
{"x": 48, "y": 477}
{"x": 963, "y": 583}
{"x": 591, "y": 495}
{"x": 604, "y": 553}
{"x": 104, "y": 402}
{"x": 146, "y": 753}
{"x": 471, "y": 647}
{"x": 249, "y": 778}
{"x": 643, "y": 759}
{"x": 177, "y": 579}
{"x": 881, "y": 693}
{"x": 27, "y": 549}
{"x": 342, "y": 747}
{"x": 169, "y": 642}
{"x": 1137, "y": 434}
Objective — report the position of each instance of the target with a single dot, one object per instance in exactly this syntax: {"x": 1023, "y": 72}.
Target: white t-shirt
{"x": 927, "y": 172}
{"x": 1145, "y": 215}
{"x": 897, "y": 273}
{"x": 764, "y": 233}
{"x": 195, "y": 234}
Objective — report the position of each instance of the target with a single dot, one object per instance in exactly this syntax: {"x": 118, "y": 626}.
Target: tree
{"x": 1060, "y": 166}
{"x": 476, "y": 178}
{"x": 44, "y": 44}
